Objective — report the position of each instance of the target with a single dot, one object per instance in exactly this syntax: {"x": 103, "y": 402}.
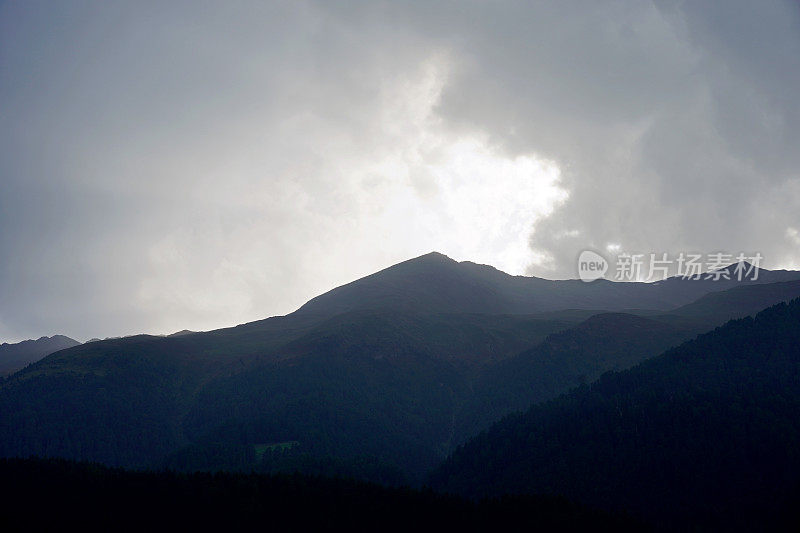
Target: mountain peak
{"x": 431, "y": 257}
{"x": 17, "y": 355}
{"x": 432, "y": 282}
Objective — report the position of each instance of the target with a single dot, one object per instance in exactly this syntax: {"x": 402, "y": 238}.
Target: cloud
{"x": 198, "y": 165}
{"x": 674, "y": 124}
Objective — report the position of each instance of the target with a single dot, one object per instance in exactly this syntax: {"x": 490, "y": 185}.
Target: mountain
{"x": 603, "y": 342}
{"x": 181, "y": 333}
{"x": 16, "y": 356}
{"x": 436, "y": 283}
{"x": 353, "y": 386}
{"x": 739, "y": 301}
{"x": 704, "y": 436}
{"x": 378, "y": 379}
{"x": 564, "y": 360}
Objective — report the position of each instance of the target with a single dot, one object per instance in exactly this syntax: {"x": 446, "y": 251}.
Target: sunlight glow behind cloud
{"x": 422, "y": 188}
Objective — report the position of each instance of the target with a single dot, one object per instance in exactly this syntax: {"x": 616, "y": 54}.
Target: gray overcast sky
{"x": 196, "y": 165}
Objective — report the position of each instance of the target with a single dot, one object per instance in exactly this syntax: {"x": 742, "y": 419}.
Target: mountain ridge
{"x": 437, "y": 282}
{"x": 15, "y": 356}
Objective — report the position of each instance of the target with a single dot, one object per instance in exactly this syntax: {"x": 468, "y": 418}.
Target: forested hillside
{"x": 706, "y": 434}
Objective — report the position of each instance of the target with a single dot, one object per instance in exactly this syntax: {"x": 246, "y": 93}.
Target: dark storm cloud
{"x": 201, "y": 164}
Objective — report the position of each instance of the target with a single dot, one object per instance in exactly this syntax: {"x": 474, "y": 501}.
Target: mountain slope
{"x": 603, "y": 342}
{"x": 16, "y": 356}
{"x": 567, "y": 359}
{"x": 705, "y": 435}
{"x": 377, "y": 385}
{"x": 134, "y": 401}
{"x": 739, "y": 301}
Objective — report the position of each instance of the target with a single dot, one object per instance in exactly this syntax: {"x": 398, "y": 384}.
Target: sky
{"x": 196, "y": 165}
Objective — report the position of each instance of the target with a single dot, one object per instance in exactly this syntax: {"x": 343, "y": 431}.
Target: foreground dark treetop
{"x": 94, "y": 497}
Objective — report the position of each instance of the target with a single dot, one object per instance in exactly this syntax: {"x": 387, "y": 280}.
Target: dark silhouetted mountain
{"x": 579, "y": 355}
{"x": 739, "y": 301}
{"x": 16, "y": 356}
{"x": 606, "y": 341}
{"x": 705, "y": 436}
{"x": 378, "y": 384}
{"x": 378, "y": 377}
{"x": 354, "y": 385}
{"x": 181, "y": 333}
{"x": 436, "y": 283}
